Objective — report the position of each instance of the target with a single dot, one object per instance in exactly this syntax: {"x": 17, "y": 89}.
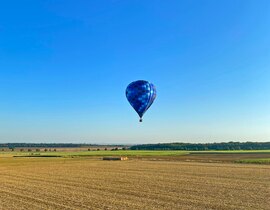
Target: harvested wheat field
{"x": 81, "y": 183}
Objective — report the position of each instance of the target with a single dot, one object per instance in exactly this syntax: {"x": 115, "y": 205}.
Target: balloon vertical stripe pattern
{"x": 152, "y": 96}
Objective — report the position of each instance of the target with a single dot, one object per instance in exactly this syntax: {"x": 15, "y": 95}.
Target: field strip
{"x": 189, "y": 199}
{"x": 112, "y": 190}
{"x": 186, "y": 178}
{"x": 135, "y": 184}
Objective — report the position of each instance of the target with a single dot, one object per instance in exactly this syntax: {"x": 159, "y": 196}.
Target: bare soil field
{"x": 211, "y": 158}
{"x": 89, "y": 183}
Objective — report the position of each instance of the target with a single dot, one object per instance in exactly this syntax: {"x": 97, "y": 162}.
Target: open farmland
{"x": 90, "y": 183}
{"x": 228, "y": 156}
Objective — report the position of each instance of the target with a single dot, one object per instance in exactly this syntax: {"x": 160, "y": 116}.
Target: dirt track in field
{"x": 136, "y": 184}
{"x": 211, "y": 158}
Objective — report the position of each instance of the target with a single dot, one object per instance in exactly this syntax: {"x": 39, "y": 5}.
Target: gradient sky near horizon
{"x": 65, "y": 64}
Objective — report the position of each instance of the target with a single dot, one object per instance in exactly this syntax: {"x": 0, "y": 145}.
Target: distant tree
{"x": 98, "y": 149}
{"x": 54, "y": 150}
{"x": 105, "y": 149}
{"x": 207, "y": 146}
{"x": 37, "y": 150}
{"x": 45, "y": 150}
{"x": 21, "y": 149}
{"x": 29, "y": 150}
{"x": 89, "y": 149}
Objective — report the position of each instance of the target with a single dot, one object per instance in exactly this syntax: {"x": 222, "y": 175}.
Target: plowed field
{"x": 81, "y": 183}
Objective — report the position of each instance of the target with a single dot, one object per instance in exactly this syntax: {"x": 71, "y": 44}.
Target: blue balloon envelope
{"x": 141, "y": 95}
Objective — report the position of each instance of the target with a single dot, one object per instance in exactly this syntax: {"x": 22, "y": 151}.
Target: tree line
{"x": 50, "y": 145}
{"x": 204, "y": 146}
{"x": 160, "y": 146}
{"x": 44, "y": 145}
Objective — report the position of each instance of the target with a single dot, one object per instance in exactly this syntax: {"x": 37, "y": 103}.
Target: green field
{"x": 255, "y": 161}
{"x": 232, "y": 156}
{"x": 230, "y": 151}
{"x": 140, "y": 153}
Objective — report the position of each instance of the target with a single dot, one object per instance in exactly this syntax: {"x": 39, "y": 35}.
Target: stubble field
{"x": 90, "y": 183}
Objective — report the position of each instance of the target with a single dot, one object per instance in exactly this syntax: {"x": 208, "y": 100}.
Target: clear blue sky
{"x": 64, "y": 67}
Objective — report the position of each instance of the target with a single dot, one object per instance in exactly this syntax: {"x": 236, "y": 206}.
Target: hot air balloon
{"x": 141, "y": 94}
